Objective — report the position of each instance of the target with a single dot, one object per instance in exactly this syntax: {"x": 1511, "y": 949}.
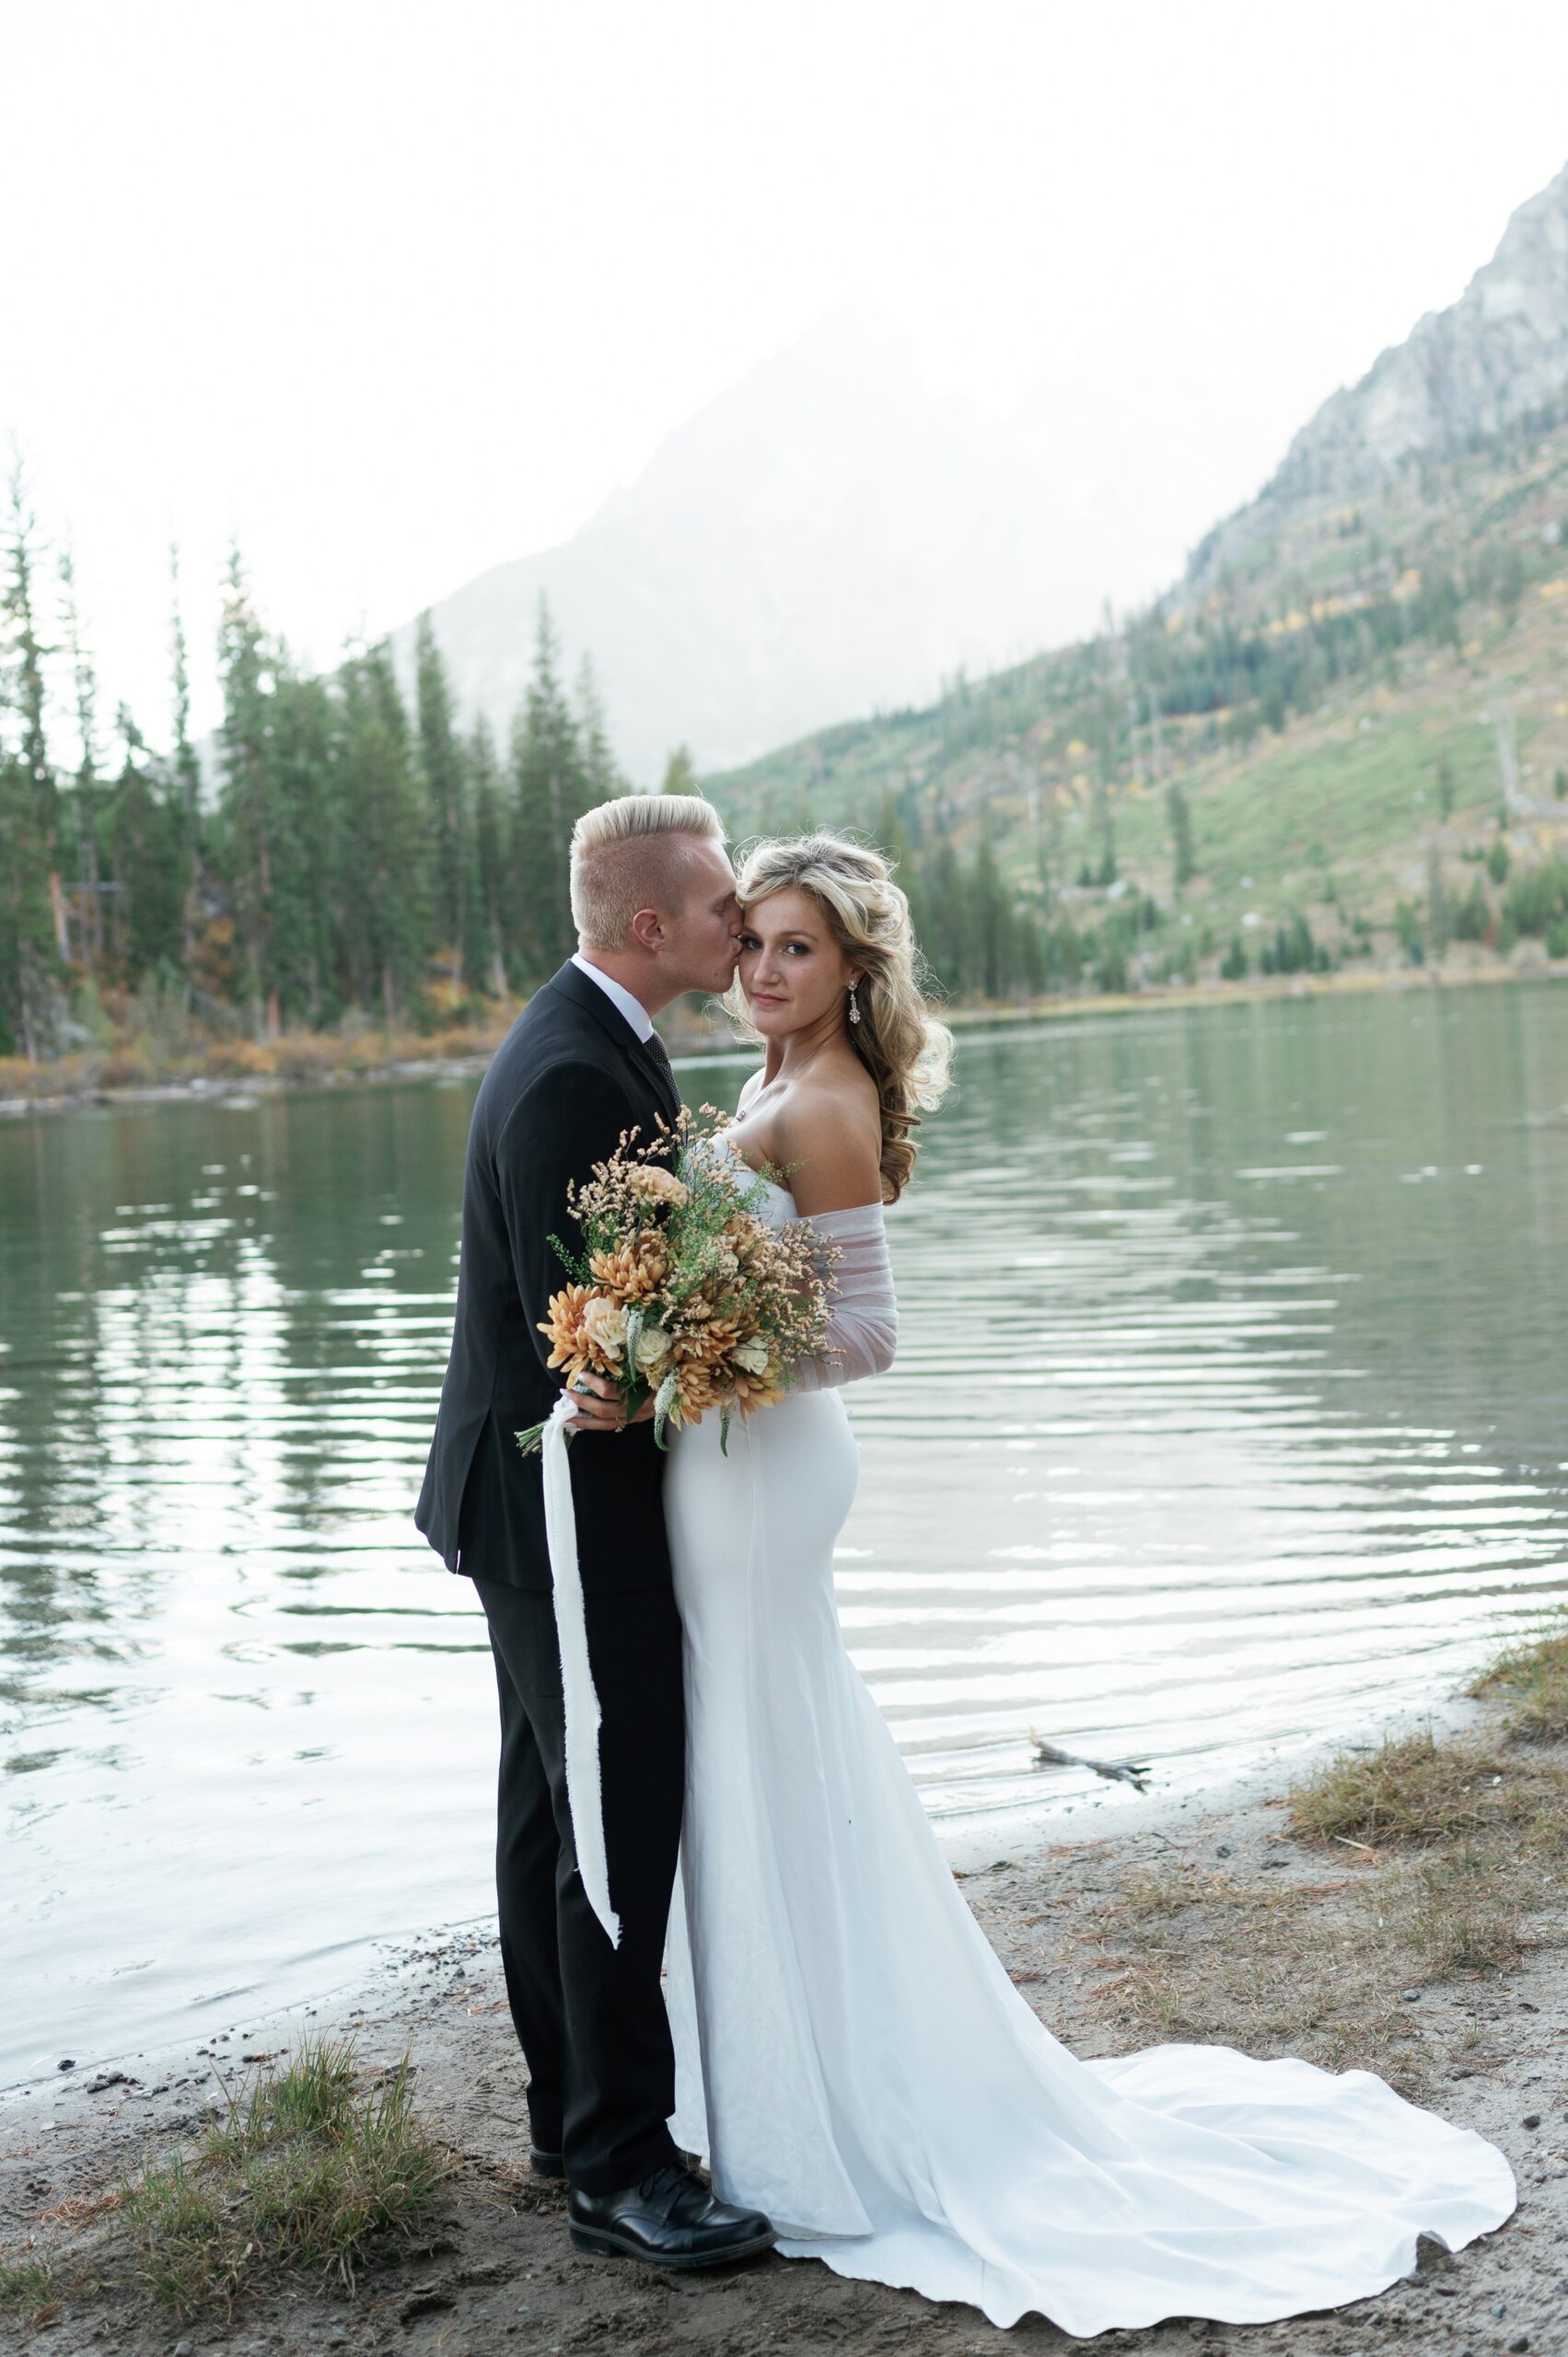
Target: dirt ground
{"x": 495, "y": 2275}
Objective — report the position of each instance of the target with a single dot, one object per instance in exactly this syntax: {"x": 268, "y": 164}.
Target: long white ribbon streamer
{"x": 584, "y": 1793}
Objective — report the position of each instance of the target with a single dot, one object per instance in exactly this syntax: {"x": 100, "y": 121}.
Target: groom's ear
{"x": 647, "y": 929}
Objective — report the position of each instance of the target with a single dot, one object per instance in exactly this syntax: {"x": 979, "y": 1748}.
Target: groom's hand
{"x": 599, "y": 1409}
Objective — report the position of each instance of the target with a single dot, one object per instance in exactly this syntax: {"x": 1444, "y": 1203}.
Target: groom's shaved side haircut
{"x": 631, "y": 854}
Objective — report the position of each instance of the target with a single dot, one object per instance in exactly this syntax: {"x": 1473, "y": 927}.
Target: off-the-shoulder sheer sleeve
{"x": 862, "y": 1333}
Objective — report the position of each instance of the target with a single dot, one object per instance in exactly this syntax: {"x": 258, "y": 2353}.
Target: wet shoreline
{"x": 1489, "y": 2051}
{"x": 693, "y": 1048}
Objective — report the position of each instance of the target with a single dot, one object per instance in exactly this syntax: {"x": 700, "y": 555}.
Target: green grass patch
{"x": 27, "y": 2286}
{"x": 306, "y": 2167}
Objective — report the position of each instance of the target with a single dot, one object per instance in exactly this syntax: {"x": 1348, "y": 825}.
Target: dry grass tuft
{"x": 1232, "y": 1960}
{"x": 1411, "y": 1791}
{"x": 1531, "y": 1679}
{"x": 1313, "y": 1968}
{"x": 1460, "y": 1912}
{"x": 1445, "y": 1850}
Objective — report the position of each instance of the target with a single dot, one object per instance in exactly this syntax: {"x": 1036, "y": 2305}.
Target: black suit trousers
{"x": 591, "y": 2018}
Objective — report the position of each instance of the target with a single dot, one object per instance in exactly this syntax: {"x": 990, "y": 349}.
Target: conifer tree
{"x": 280, "y": 835}
{"x": 1439, "y": 921}
{"x": 387, "y": 836}
{"x": 1180, "y": 816}
{"x": 249, "y": 803}
{"x": 1445, "y": 787}
{"x": 602, "y": 780}
{"x": 993, "y": 929}
{"x": 892, "y": 838}
{"x": 28, "y": 655}
{"x": 312, "y": 867}
{"x": 529, "y": 839}
{"x": 145, "y": 841}
{"x": 32, "y": 926}
{"x": 185, "y": 769}
{"x": 680, "y": 772}
{"x": 446, "y": 786}
{"x": 892, "y": 835}
{"x": 1031, "y": 953}
{"x": 948, "y": 928}
{"x": 489, "y": 928}
{"x": 26, "y": 940}
{"x": 550, "y": 792}
{"x": 85, "y": 814}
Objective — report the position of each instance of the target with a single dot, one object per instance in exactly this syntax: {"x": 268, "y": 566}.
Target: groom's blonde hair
{"x": 631, "y": 854}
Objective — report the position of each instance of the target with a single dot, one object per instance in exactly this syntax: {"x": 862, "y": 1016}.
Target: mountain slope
{"x": 1367, "y": 723}
{"x": 825, "y": 536}
{"x": 1343, "y": 737}
{"x": 1493, "y": 359}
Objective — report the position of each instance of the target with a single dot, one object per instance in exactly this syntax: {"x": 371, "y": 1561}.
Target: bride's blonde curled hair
{"x": 906, "y": 1051}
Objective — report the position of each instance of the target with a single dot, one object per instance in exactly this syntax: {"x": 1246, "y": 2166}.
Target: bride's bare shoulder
{"x": 830, "y": 1136}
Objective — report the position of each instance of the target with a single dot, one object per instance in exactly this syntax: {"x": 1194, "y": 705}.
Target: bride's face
{"x": 792, "y": 969}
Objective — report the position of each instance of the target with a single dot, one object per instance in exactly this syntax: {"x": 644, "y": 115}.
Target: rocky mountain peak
{"x": 1495, "y": 356}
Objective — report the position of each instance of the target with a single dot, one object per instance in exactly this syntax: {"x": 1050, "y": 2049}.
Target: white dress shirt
{"x": 636, "y": 1013}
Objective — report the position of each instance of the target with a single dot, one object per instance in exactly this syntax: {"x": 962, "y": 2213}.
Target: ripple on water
{"x": 1210, "y": 1430}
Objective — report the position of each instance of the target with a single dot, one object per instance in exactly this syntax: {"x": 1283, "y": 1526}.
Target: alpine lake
{"x": 1230, "y": 1415}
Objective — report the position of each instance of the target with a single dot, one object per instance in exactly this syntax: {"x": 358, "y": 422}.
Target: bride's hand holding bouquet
{"x": 678, "y": 1293}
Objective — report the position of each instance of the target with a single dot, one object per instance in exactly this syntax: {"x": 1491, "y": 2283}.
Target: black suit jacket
{"x": 569, "y": 1076}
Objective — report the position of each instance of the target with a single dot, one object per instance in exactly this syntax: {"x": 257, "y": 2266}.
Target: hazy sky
{"x": 398, "y": 293}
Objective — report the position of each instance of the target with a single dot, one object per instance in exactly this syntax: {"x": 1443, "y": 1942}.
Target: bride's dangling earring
{"x": 854, "y": 1002}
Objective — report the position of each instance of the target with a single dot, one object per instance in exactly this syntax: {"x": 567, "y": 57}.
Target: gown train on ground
{"x": 850, "y": 2055}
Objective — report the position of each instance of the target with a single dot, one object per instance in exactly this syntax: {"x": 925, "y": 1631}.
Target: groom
{"x": 652, "y": 897}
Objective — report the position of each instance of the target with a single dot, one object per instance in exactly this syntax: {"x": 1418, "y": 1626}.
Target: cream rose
{"x": 653, "y": 1349}
{"x": 659, "y": 1185}
{"x": 752, "y": 1354}
{"x": 604, "y": 1323}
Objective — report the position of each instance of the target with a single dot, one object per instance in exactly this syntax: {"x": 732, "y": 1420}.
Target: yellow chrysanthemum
{"x": 632, "y": 1271}
{"x": 568, "y": 1339}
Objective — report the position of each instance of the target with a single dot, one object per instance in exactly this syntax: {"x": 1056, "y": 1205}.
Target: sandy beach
{"x": 1204, "y": 1918}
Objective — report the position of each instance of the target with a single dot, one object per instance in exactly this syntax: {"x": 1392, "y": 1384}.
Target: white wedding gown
{"x": 853, "y": 2058}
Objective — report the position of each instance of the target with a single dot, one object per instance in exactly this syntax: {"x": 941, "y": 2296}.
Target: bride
{"x": 850, "y": 2056}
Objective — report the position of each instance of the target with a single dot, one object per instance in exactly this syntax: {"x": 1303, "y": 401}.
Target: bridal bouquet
{"x": 679, "y": 1290}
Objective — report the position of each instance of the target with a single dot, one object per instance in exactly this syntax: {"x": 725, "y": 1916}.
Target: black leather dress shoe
{"x": 668, "y": 2219}
{"x": 545, "y": 2163}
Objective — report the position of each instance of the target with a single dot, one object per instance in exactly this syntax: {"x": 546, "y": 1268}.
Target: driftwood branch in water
{"x": 1121, "y": 1771}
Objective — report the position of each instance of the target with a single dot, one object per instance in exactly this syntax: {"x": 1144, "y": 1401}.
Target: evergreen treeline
{"x": 357, "y": 851}
{"x": 981, "y": 937}
{"x": 357, "y": 854}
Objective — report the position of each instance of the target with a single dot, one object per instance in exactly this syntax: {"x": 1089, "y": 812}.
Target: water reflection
{"x": 1231, "y": 1394}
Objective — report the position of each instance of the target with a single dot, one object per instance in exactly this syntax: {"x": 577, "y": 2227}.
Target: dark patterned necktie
{"x": 658, "y": 1056}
